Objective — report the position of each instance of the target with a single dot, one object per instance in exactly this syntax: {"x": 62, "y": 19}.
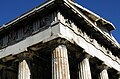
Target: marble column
{"x": 84, "y": 69}
{"x": 24, "y": 70}
{"x": 104, "y": 73}
{"x": 60, "y": 65}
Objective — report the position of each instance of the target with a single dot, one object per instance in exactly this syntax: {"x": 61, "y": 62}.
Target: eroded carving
{"x": 26, "y": 29}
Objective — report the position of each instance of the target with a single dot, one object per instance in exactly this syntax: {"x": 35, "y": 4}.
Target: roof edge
{"x": 111, "y": 26}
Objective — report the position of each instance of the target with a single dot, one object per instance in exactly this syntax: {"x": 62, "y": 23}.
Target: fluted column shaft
{"x": 84, "y": 69}
{"x": 60, "y": 65}
{"x": 24, "y": 71}
{"x": 104, "y": 74}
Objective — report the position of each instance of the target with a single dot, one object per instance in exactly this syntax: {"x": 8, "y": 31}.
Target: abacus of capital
{"x": 59, "y": 39}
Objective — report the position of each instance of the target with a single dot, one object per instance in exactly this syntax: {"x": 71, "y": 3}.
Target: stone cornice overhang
{"x": 90, "y": 26}
{"x": 94, "y": 17}
{"x": 66, "y": 6}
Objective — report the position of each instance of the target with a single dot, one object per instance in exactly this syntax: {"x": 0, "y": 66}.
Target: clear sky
{"x": 108, "y": 9}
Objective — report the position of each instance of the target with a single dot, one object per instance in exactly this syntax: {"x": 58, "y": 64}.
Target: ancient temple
{"x": 59, "y": 39}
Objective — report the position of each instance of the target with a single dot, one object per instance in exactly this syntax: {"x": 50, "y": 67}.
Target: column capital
{"x": 85, "y": 56}
{"x": 118, "y": 73}
{"x": 103, "y": 66}
{"x": 88, "y": 56}
{"x": 25, "y": 56}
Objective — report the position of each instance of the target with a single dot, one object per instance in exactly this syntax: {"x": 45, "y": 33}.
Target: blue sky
{"x": 108, "y": 9}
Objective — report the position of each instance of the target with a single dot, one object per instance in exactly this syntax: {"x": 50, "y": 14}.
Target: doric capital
{"x": 25, "y": 56}
{"x": 118, "y": 73}
{"x": 87, "y": 56}
{"x": 103, "y": 66}
{"x": 84, "y": 55}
